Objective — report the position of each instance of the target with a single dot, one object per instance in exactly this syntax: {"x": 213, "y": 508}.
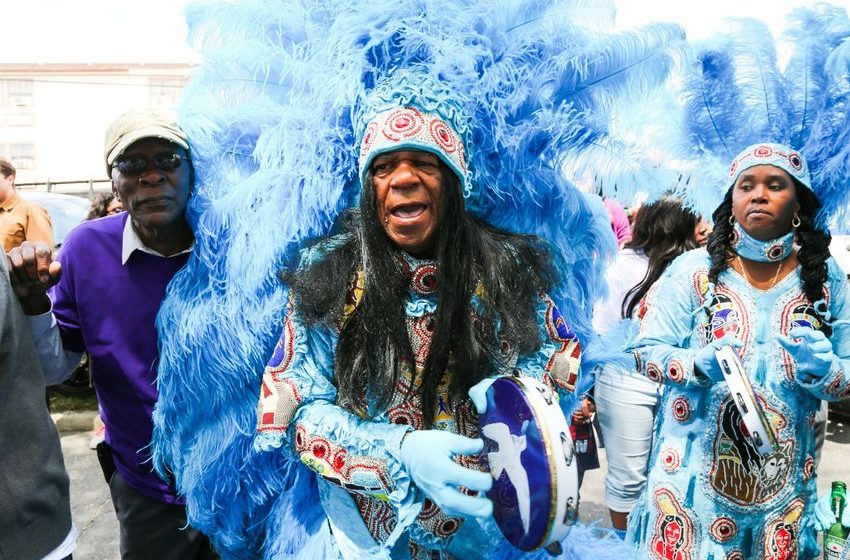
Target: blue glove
{"x": 811, "y": 350}
{"x": 824, "y": 517}
{"x": 705, "y": 361}
{"x": 478, "y": 394}
{"x": 427, "y": 456}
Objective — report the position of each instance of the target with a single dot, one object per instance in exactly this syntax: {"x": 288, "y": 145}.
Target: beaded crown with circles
{"x": 412, "y": 111}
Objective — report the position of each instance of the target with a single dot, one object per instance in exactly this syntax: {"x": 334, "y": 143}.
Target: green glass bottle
{"x": 835, "y": 537}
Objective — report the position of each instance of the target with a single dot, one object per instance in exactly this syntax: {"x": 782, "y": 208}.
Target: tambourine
{"x": 529, "y": 450}
{"x": 752, "y": 414}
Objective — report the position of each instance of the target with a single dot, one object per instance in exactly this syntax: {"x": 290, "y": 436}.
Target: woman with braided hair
{"x": 767, "y": 287}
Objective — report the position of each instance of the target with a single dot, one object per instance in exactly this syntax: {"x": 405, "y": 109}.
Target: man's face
{"x": 155, "y": 197}
{"x": 764, "y": 201}
{"x": 408, "y": 185}
{"x": 7, "y": 186}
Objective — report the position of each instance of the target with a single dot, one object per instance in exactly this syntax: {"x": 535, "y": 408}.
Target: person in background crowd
{"x": 701, "y": 232}
{"x": 20, "y": 220}
{"x": 108, "y": 286}
{"x": 619, "y": 221}
{"x": 626, "y": 402}
{"x": 105, "y": 204}
{"x": 768, "y": 288}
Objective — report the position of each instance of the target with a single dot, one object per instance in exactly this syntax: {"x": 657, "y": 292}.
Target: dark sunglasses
{"x": 137, "y": 165}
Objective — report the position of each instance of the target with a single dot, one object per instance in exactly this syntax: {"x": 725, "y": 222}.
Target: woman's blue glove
{"x": 427, "y": 457}
{"x": 824, "y": 517}
{"x": 705, "y": 361}
{"x": 811, "y": 350}
{"x": 478, "y": 394}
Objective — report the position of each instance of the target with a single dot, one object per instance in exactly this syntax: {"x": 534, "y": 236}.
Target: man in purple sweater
{"x": 107, "y": 287}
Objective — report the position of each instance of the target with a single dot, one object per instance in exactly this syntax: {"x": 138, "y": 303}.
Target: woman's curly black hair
{"x": 813, "y": 242}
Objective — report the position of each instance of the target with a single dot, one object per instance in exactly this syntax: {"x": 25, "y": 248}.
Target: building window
{"x": 19, "y": 92}
{"x": 22, "y": 155}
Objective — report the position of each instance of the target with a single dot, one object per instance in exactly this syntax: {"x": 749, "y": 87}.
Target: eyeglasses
{"x": 139, "y": 164}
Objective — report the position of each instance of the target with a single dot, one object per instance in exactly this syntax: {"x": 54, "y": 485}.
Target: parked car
{"x": 66, "y": 211}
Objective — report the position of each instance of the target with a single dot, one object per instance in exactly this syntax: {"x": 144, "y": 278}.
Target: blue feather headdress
{"x": 736, "y": 95}
{"x": 273, "y": 115}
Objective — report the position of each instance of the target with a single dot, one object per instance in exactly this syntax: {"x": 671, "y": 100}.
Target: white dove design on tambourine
{"x": 529, "y": 450}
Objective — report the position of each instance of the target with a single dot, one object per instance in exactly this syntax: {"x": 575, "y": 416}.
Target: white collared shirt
{"x": 56, "y": 362}
{"x": 130, "y": 241}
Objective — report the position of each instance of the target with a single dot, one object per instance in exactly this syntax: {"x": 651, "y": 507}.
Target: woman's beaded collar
{"x": 752, "y": 249}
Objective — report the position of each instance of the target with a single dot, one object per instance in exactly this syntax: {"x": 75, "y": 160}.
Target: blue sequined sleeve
{"x": 558, "y": 361}
{"x": 835, "y": 385}
{"x": 297, "y": 411}
{"x": 663, "y": 349}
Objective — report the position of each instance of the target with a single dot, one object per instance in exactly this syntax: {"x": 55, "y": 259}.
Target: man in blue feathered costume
{"x": 391, "y": 322}
{"x": 455, "y": 118}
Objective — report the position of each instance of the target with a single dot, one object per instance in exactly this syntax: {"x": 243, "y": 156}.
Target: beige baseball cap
{"x": 137, "y": 124}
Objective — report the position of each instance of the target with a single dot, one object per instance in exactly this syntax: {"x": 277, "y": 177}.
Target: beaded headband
{"x": 409, "y": 128}
{"x": 776, "y": 155}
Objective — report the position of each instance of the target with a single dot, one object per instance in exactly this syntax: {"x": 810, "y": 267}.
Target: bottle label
{"x": 833, "y": 547}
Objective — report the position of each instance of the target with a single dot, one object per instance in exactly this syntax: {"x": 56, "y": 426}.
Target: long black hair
{"x": 813, "y": 242}
{"x": 373, "y": 345}
{"x": 662, "y": 230}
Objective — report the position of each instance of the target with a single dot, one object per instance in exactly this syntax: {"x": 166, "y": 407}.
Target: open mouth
{"x": 408, "y": 211}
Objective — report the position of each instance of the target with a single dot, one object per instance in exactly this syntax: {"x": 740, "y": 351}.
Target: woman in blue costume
{"x": 767, "y": 287}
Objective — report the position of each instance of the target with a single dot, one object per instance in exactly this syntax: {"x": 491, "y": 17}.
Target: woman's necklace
{"x": 747, "y": 278}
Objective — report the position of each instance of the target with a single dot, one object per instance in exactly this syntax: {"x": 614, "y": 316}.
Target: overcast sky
{"x": 86, "y": 31}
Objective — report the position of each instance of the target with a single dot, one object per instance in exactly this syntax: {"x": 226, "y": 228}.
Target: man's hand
{"x": 428, "y": 457}
{"x": 824, "y": 517}
{"x": 811, "y": 350}
{"x": 32, "y": 272}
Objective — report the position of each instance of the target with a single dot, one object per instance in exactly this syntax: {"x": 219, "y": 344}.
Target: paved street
{"x": 95, "y": 518}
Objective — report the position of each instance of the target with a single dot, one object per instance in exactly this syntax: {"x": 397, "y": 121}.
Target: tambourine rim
{"x": 553, "y": 469}
{"x": 539, "y": 409}
{"x": 744, "y": 380}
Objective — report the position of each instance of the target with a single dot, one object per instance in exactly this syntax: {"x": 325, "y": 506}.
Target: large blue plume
{"x": 272, "y": 114}
{"x": 735, "y": 94}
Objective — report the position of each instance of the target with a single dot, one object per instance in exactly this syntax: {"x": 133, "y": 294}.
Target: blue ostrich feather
{"x": 814, "y": 33}
{"x": 825, "y": 133}
{"x": 735, "y": 95}
{"x": 273, "y": 114}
